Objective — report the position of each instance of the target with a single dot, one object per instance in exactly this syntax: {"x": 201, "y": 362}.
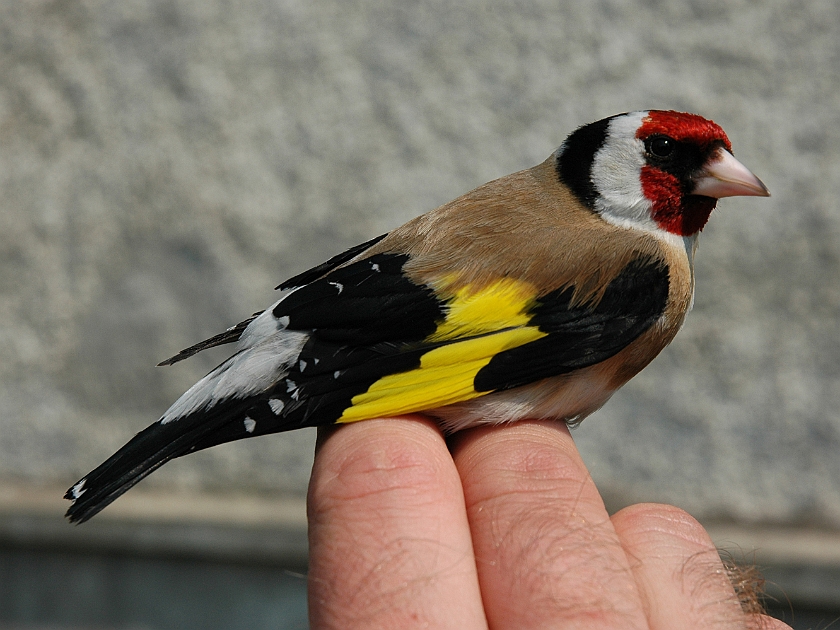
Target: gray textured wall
{"x": 165, "y": 163}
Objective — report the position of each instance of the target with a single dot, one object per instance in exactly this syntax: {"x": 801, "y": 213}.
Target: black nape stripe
{"x": 575, "y": 158}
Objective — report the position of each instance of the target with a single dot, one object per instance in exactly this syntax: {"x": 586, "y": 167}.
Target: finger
{"x": 678, "y": 569}
{"x": 389, "y": 540}
{"x": 546, "y": 550}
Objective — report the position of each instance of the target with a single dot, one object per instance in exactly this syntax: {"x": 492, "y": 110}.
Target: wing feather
{"x": 428, "y": 346}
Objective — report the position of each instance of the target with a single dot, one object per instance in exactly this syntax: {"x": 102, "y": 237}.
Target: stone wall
{"x": 164, "y": 164}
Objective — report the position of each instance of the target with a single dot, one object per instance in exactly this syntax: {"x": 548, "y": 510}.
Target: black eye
{"x": 661, "y": 146}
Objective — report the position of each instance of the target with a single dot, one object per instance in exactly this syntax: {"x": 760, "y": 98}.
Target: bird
{"x": 534, "y": 296}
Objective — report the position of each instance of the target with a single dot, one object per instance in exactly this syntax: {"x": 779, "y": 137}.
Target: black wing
{"x": 363, "y": 315}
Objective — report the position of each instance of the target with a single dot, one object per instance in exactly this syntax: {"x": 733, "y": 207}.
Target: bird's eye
{"x": 661, "y": 146}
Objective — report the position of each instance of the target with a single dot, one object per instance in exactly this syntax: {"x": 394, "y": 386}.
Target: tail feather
{"x": 231, "y": 335}
{"x": 146, "y": 452}
{"x": 231, "y": 402}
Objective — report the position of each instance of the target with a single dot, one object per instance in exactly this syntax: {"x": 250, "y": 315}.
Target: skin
{"x": 498, "y": 527}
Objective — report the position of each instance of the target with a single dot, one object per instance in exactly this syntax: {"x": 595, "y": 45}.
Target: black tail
{"x": 157, "y": 444}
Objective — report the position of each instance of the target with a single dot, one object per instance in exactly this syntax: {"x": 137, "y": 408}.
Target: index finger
{"x": 389, "y": 539}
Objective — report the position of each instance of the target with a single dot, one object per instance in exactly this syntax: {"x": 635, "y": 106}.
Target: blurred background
{"x": 165, "y": 163}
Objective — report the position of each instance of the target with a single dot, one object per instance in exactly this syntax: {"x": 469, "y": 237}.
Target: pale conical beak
{"x": 724, "y": 176}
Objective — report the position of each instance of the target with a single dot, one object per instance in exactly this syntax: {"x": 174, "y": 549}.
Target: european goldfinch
{"x": 536, "y": 295}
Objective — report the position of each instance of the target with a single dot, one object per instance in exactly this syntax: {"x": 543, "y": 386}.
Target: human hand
{"x": 503, "y": 528}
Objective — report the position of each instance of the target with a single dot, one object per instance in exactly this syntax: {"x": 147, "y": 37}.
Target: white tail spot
{"x": 78, "y": 490}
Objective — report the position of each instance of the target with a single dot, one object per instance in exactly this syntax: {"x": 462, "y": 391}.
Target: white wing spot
{"x": 290, "y": 385}
{"x": 337, "y": 373}
{"x": 296, "y": 394}
{"x": 276, "y": 405}
{"x": 262, "y": 361}
{"x": 338, "y": 286}
{"x": 250, "y": 424}
{"x": 302, "y": 365}
{"x": 374, "y": 266}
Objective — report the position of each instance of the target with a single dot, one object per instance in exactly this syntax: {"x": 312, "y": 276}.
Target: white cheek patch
{"x": 616, "y": 174}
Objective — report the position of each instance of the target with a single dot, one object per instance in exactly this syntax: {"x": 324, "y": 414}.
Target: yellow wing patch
{"x": 501, "y": 305}
{"x": 481, "y": 325}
